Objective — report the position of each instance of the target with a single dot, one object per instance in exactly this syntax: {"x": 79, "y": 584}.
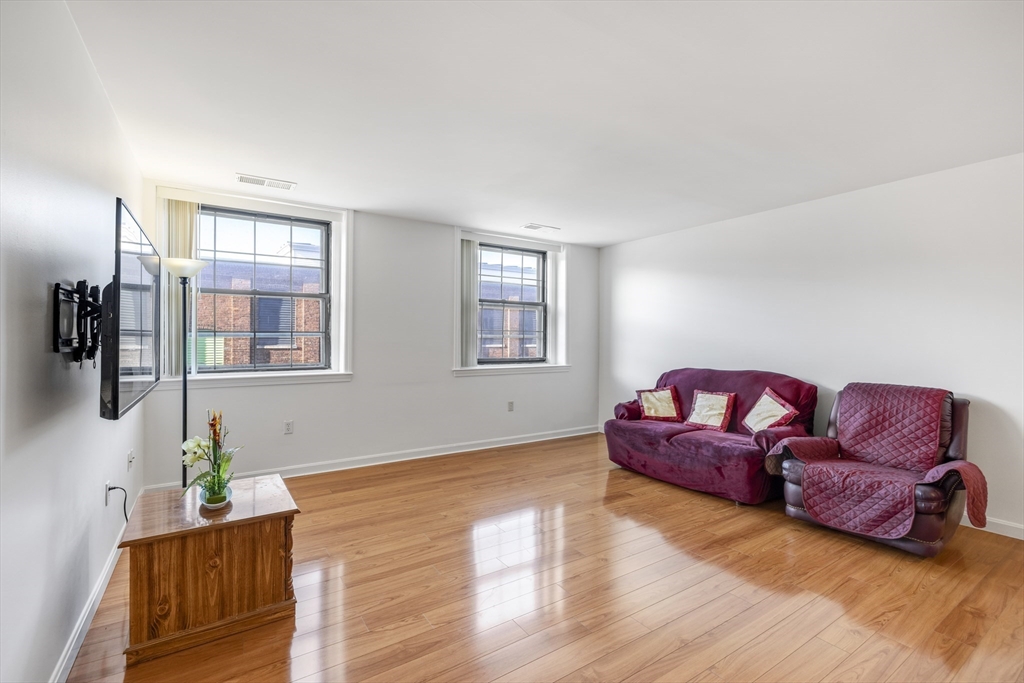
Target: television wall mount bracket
{"x": 82, "y": 305}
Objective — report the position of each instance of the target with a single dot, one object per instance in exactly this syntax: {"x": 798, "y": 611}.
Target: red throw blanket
{"x": 863, "y": 482}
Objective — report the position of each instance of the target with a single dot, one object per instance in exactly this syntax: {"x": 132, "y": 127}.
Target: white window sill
{"x": 524, "y": 369}
{"x": 254, "y": 379}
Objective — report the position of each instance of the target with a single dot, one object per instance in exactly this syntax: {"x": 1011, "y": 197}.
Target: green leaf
{"x": 200, "y": 479}
{"x": 225, "y": 464}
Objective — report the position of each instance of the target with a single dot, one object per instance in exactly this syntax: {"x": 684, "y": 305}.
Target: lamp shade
{"x": 184, "y": 267}
{"x": 151, "y": 264}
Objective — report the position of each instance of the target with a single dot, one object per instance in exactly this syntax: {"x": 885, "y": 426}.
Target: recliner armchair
{"x": 876, "y": 457}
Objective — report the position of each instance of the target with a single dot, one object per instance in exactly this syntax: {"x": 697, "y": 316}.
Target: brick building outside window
{"x": 264, "y": 302}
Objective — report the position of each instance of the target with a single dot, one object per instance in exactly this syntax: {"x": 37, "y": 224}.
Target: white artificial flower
{"x": 195, "y": 449}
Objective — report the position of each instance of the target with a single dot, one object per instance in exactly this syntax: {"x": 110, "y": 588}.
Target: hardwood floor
{"x": 545, "y": 562}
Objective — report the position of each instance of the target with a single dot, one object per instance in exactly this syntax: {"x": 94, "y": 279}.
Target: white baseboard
{"x": 1001, "y": 527}
{"x": 74, "y": 644}
{"x": 397, "y": 456}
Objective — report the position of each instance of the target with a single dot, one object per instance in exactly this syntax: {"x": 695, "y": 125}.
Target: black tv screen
{"x": 130, "y": 342}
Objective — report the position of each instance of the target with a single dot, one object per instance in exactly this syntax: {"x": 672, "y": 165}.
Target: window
{"x": 264, "y": 300}
{"x": 511, "y": 305}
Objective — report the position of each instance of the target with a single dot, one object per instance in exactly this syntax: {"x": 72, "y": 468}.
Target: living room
{"x": 832, "y": 192}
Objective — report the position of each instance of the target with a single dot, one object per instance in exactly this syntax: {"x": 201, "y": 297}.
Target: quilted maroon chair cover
{"x": 892, "y": 468}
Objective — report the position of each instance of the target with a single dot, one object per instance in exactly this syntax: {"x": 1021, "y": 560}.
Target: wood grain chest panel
{"x": 218, "y": 575}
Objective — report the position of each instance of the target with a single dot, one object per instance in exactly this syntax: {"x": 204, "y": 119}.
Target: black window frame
{"x": 541, "y": 305}
{"x": 325, "y": 296}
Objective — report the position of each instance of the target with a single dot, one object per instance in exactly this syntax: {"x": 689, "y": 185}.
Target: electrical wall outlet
{"x": 131, "y": 459}
{"x": 106, "y": 494}
{"x": 289, "y": 426}
{"x": 511, "y": 406}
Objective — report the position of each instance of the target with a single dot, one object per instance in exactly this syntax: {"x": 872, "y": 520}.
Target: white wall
{"x": 64, "y": 160}
{"x": 919, "y": 282}
{"x": 403, "y": 400}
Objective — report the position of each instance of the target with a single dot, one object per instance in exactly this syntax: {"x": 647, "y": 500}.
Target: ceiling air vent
{"x": 264, "y": 182}
{"x": 538, "y": 226}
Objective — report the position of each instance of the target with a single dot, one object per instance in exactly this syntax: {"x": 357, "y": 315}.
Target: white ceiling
{"x": 611, "y": 120}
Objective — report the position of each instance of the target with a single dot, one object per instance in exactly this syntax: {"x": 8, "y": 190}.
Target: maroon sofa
{"x": 729, "y": 464}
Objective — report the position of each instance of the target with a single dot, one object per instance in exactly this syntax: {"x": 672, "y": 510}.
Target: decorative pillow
{"x": 660, "y": 404}
{"x": 711, "y": 410}
{"x": 771, "y": 410}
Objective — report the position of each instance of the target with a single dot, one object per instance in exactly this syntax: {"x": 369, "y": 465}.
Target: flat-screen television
{"x": 130, "y": 327}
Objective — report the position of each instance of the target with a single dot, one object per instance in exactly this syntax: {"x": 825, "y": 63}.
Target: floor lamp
{"x": 184, "y": 269}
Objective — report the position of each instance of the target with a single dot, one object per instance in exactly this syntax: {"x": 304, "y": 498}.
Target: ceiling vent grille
{"x": 538, "y": 226}
{"x": 264, "y": 182}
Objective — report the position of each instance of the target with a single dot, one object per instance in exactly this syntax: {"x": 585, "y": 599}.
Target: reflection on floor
{"x": 545, "y": 562}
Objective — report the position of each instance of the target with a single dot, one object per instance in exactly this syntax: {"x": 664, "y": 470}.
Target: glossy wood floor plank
{"x": 701, "y": 653}
{"x": 653, "y": 646}
{"x": 808, "y": 663}
{"x": 546, "y": 562}
{"x": 513, "y": 656}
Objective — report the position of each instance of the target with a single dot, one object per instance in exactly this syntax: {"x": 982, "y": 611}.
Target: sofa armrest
{"x": 630, "y": 410}
{"x": 933, "y": 498}
{"x": 805, "y": 448}
{"x": 958, "y": 443}
{"x": 766, "y": 439}
{"x": 793, "y": 471}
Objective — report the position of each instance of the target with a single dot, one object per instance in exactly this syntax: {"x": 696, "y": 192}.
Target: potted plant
{"x": 214, "y": 481}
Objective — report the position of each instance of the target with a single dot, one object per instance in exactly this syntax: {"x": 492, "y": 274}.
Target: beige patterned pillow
{"x": 771, "y": 410}
{"x": 711, "y": 410}
{"x": 660, "y": 404}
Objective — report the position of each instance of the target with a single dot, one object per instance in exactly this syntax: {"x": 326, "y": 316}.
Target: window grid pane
{"x": 511, "y": 309}
{"x": 262, "y": 304}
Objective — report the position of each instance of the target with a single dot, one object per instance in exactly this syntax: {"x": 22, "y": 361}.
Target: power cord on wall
{"x": 124, "y": 506}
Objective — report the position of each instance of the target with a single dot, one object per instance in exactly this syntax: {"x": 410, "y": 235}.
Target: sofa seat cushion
{"x": 929, "y": 499}
{"x": 728, "y": 444}
{"x": 721, "y": 463}
{"x": 648, "y": 433}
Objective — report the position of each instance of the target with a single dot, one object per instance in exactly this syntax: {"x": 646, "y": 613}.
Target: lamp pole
{"x": 184, "y": 377}
{"x": 185, "y": 269}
